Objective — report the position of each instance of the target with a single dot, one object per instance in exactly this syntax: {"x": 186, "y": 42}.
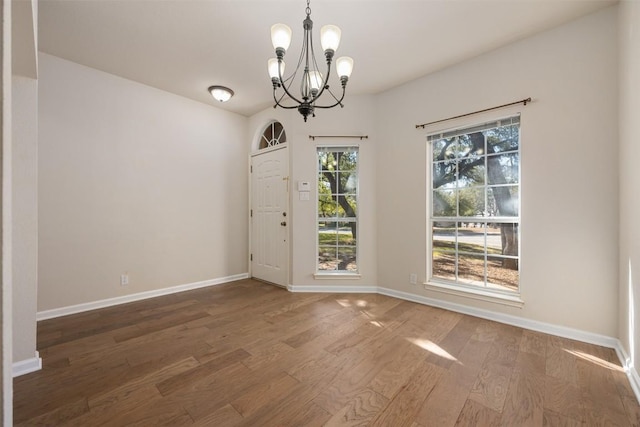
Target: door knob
{"x": 283, "y": 223}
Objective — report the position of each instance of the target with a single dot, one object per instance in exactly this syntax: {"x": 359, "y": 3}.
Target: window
{"x": 474, "y": 229}
{"x": 273, "y": 135}
{"x": 337, "y": 209}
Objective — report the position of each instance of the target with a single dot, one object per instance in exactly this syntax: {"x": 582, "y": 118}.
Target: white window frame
{"x": 337, "y": 274}
{"x": 485, "y": 293}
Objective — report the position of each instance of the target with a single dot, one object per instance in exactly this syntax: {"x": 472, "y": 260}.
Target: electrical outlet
{"x": 124, "y": 279}
{"x": 413, "y": 279}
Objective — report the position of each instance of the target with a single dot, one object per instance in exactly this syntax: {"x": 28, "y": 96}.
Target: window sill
{"x": 512, "y": 300}
{"x": 336, "y": 276}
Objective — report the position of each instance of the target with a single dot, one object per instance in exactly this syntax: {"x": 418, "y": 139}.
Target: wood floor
{"x": 250, "y": 354}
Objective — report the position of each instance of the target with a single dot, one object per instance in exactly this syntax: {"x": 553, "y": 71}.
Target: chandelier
{"x": 312, "y": 83}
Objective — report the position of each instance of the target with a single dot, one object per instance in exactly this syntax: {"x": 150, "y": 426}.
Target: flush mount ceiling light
{"x": 312, "y": 83}
{"x": 220, "y": 93}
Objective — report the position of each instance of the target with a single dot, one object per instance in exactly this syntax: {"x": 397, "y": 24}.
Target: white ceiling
{"x": 184, "y": 46}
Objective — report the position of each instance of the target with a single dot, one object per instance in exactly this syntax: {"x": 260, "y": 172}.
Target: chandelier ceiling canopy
{"x": 313, "y": 84}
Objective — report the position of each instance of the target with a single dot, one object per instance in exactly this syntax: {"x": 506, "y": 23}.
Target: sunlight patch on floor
{"x": 432, "y": 348}
{"x": 594, "y": 359}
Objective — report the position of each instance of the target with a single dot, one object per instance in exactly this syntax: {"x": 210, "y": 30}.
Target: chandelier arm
{"x": 339, "y": 102}
{"x": 326, "y": 78}
{"x": 278, "y": 104}
{"x": 291, "y": 78}
{"x": 284, "y": 87}
{"x": 280, "y": 99}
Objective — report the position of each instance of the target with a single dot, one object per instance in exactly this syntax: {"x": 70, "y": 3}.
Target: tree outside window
{"x": 337, "y": 209}
{"x": 475, "y": 200}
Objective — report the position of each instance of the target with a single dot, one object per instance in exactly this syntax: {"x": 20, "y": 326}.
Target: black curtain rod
{"x": 522, "y": 101}
{"x": 313, "y": 137}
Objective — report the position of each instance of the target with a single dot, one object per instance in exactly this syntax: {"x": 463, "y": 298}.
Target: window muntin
{"x": 273, "y": 135}
{"x": 474, "y": 231}
{"x": 337, "y": 215}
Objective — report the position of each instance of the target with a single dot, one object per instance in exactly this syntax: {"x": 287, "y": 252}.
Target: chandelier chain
{"x": 308, "y": 8}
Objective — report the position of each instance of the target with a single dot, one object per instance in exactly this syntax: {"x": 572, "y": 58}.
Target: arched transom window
{"x": 273, "y": 135}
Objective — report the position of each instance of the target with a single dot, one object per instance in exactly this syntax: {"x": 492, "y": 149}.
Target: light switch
{"x": 304, "y": 195}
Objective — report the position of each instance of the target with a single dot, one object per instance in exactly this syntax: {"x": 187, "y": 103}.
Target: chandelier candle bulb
{"x": 344, "y": 66}
{"x": 315, "y": 80}
{"x": 280, "y": 36}
{"x": 312, "y": 83}
{"x": 330, "y": 38}
{"x": 274, "y": 73}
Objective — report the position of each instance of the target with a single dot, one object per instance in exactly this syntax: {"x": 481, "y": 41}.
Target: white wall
{"x": 25, "y": 215}
{"x": 569, "y": 169}
{"x": 134, "y": 180}
{"x": 629, "y": 15}
{"x": 356, "y": 118}
{"x": 24, "y": 55}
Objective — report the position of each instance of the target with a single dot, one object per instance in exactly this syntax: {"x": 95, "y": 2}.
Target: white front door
{"x": 269, "y": 216}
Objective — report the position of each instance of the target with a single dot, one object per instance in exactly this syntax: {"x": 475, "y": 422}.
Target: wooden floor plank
{"x": 152, "y": 412}
{"x": 474, "y": 414}
{"x": 60, "y": 414}
{"x": 524, "y": 405}
{"x": 182, "y": 379}
{"x": 259, "y": 396}
{"x": 360, "y": 410}
{"x": 395, "y": 374}
{"x": 598, "y": 391}
{"x": 226, "y": 416}
{"x": 104, "y": 413}
{"x": 632, "y": 408}
{"x": 492, "y": 384}
{"x": 251, "y": 354}
{"x": 559, "y": 362}
{"x": 443, "y": 406}
{"x": 405, "y": 406}
{"x": 344, "y": 387}
{"x": 553, "y": 419}
{"x": 458, "y": 332}
{"x": 110, "y": 397}
{"x": 563, "y": 397}
{"x": 294, "y": 408}
{"x": 534, "y": 343}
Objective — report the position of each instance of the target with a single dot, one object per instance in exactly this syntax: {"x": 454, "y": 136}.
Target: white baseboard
{"x": 26, "y": 366}
{"x": 629, "y": 369}
{"x": 634, "y": 379}
{"x": 521, "y": 322}
{"x": 334, "y": 289}
{"x": 79, "y": 308}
